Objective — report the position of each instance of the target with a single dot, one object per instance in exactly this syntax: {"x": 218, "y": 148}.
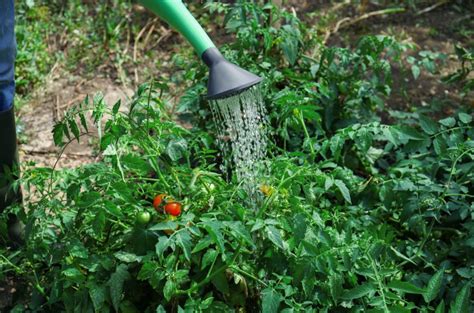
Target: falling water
{"x": 241, "y": 123}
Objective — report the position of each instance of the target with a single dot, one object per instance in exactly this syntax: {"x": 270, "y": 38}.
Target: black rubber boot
{"x": 9, "y": 173}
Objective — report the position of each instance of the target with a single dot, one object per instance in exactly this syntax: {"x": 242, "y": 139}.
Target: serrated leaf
{"x": 434, "y": 286}
{"x": 343, "y": 189}
{"x": 202, "y": 244}
{"x": 74, "y": 129}
{"x": 161, "y": 246}
{"x": 270, "y": 300}
{"x": 82, "y": 118}
{"x": 465, "y": 118}
{"x": 115, "y": 283}
{"x": 428, "y": 125}
{"x": 405, "y": 287}
{"x": 213, "y": 228}
{"x": 58, "y": 134}
{"x": 208, "y": 258}
{"x": 461, "y": 302}
{"x": 184, "y": 241}
{"x": 448, "y": 122}
{"x": 358, "y": 292}
{"x": 439, "y": 145}
{"x": 328, "y": 182}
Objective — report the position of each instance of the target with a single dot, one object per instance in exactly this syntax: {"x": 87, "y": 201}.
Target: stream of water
{"x": 242, "y": 128}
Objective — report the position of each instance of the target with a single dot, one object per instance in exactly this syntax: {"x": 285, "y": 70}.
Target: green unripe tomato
{"x": 143, "y": 218}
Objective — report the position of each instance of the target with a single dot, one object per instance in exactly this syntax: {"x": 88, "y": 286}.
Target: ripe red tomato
{"x": 143, "y": 218}
{"x": 158, "y": 200}
{"x": 173, "y": 208}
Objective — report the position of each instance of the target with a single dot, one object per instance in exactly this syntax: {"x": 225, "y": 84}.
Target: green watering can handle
{"x": 175, "y": 13}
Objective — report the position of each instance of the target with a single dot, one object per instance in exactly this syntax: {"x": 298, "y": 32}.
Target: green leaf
{"x": 275, "y": 236}
{"x": 220, "y": 281}
{"x": 428, "y": 125}
{"x": 73, "y": 274}
{"x": 465, "y": 118}
{"x": 270, "y": 300}
{"x": 116, "y": 282}
{"x": 170, "y": 289}
{"x": 439, "y": 145}
{"x": 184, "y": 241}
{"x": 343, "y": 189}
{"x": 82, "y": 118}
{"x": 97, "y": 295}
{"x": 58, "y": 134}
{"x": 358, "y": 292}
{"x": 116, "y": 107}
{"x": 448, "y": 122}
{"x": 415, "y": 70}
{"x": 461, "y": 303}
{"x": 213, "y": 228}
{"x": 99, "y": 223}
{"x": 176, "y": 149}
{"x": 74, "y": 129}
{"x": 405, "y": 287}
{"x": 127, "y": 257}
{"x": 164, "y": 226}
{"x": 208, "y": 258}
{"x": 335, "y": 286}
{"x": 161, "y": 246}
{"x": 441, "y": 308}
{"x": 398, "y": 309}
{"x": 434, "y": 286}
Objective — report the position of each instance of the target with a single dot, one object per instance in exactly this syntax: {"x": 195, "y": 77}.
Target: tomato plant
{"x": 358, "y": 215}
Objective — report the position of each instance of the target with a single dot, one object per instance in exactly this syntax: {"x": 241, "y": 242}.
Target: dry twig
{"x": 347, "y": 21}
{"x": 431, "y": 8}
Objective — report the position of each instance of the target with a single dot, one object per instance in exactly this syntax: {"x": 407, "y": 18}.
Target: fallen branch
{"x": 431, "y": 8}
{"x": 347, "y": 21}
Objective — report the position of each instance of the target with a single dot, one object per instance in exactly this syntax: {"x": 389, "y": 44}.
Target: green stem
{"x": 379, "y": 282}
{"x": 305, "y": 129}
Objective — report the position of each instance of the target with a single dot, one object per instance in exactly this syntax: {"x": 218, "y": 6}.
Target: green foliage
{"x": 362, "y": 216}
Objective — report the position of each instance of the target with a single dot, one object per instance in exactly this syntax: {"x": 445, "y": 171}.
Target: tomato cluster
{"x": 170, "y": 206}
{"x": 161, "y": 203}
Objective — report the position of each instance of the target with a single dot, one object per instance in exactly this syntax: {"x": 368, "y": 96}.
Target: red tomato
{"x": 173, "y": 208}
{"x": 158, "y": 200}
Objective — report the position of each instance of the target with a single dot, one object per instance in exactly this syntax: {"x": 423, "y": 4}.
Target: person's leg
{"x": 8, "y": 143}
{"x": 7, "y": 54}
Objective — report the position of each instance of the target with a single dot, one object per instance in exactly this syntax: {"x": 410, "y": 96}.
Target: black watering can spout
{"x": 226, "y": 79}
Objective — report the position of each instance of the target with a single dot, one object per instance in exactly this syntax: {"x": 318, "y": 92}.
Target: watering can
{"x": 225, "y": 79}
